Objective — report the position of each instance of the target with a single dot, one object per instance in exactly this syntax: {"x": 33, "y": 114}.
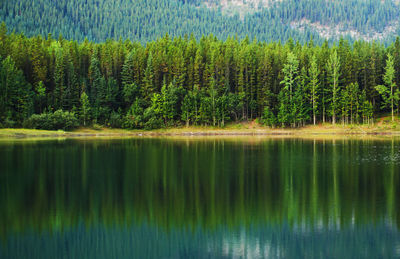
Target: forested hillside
{"x": 145, "y": 20}
{"x": 49, "y": 83}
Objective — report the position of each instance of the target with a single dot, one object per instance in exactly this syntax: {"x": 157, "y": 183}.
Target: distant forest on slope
{"x": 56, "y": 83}
{"x": 147, "y": 20}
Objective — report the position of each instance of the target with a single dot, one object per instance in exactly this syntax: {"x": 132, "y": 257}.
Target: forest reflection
{"x": 191, "y": 184}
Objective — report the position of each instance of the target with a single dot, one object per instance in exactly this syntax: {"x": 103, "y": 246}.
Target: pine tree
{"x": 345, "y": 104}
{"x": 333, "y": 69}
{"x": 148, "y": 80}
{"x": 38, "y": 58}
{"x": 353, "y": 103}
{"x": 389, "y": 92}
{"x": 59, "y": 80}
{"x": 289, "y": 82}
{"x": 187, "y": 108}
{"x": 15, "y": 94}
{"x": 396, "y": 60}
{"x": 366, "y": 108}
{"x": 4, "y": 48}
{"x": 314, "y": 87}
{"x": 85, "y": 108}
{"x": 198, "y": 69}
{"x": 284, "y": 108}
{"x": 95, "y": 79}
{"x": 170, "y": 99}
{"x": 301, "y": 111}
{"x": 213, "y": 100}
{"x": 40, "y": 97}
{"x": 127, "y": 71}
{"x": 129, "y": 93}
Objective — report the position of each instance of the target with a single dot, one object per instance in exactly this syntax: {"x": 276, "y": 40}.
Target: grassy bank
{"x": 249, "y": 128}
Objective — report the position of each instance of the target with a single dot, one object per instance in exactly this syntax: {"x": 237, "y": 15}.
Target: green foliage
{"x": 366, "y": 108}
{"x": 188, "y": 108}
{"x": 15, "y": 94}
{"x": 301, "y": 106}
{"x": 284, "y": 114}
{"x": 170, "y": 82}
{"x": 40, "y": 96}
{"x": 268, "y": 118}
{"x": 85, "y": 109}
{"x": 153, "y": 115}
{"x": 170, "y": 103}
{"x": 288, "y": 109}
{"x": 333, "y": 71}
{"x": 145, "y": 20}
{"x": 129, "y": 93}
{"x": 134, "y": 118}
{"x": 314, "y": 87}
{"x": 389, "y": 92}
{"x": 52, "y": 121}
{"x": 115, "y": 120}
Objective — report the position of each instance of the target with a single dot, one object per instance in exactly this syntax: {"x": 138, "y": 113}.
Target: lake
{"x": 247, "y": 197}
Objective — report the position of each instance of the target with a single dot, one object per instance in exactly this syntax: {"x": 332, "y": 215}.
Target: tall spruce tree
{"x": 15, "y": 94}
{"x": 333, "y": 69}
{"x": 289, "y": 82}
{"x": 389, "y": 92}
{"x": 314, "y": 87}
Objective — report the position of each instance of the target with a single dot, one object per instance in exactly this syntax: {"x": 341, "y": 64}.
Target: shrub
{"x": 153, "y": 121}
{"x": 52, "y": 121}
{"x": 134, "y": 117}
{"x": 132, "y": 122}
{"x": 8, "y": 122}
{"x": 115, "y": 120}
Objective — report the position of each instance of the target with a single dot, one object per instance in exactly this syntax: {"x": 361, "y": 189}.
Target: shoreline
{"x": 308, "y": 131}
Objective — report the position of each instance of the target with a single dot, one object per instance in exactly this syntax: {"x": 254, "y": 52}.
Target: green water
{"x": 200, "y": 198}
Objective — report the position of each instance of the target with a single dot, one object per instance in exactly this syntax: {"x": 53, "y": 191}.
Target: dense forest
{"x": 55, "y": 83}
{"x": 147, "y": 20}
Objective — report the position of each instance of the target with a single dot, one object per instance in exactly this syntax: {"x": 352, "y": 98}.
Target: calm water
{"x": 204, "y": 198}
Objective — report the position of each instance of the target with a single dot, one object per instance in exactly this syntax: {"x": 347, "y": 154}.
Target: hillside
{"x": 144, "y": 20}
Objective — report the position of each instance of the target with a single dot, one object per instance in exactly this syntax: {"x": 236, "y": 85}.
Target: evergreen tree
{"x": 389, "y": 92}
{"x": 314, "y": 87}
{"x": 130, "y": 92}
{"x": 268, "y": 117}
{"x": 15, "y": 94}
{"x": 187, "y": 108}
{"x": 59, "y": 80}
{"x": 333, "y": 69}
{"x": 85, "y": 108}
{"x": 95, "y": 78}
{"x": 127, "y": 77}
{"x": 289, "y": 82}
{"x": 148, "y": 79}
{"x": 134, "y": 117}
{"x": 170, "y": 99}
{"x": 40, "y": 97}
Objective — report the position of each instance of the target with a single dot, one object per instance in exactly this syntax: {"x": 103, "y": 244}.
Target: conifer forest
{"x": 49, "y": 83}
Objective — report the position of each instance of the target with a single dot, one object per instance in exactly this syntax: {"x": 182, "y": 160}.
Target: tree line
{"x": 57, "y": 83}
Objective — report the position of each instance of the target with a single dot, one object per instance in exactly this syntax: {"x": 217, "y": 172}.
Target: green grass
{"x": 383, "y": 125}
{"x": 29, "y": 132}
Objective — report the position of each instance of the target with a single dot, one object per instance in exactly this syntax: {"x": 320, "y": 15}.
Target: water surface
{"x": 200, "y": 198}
